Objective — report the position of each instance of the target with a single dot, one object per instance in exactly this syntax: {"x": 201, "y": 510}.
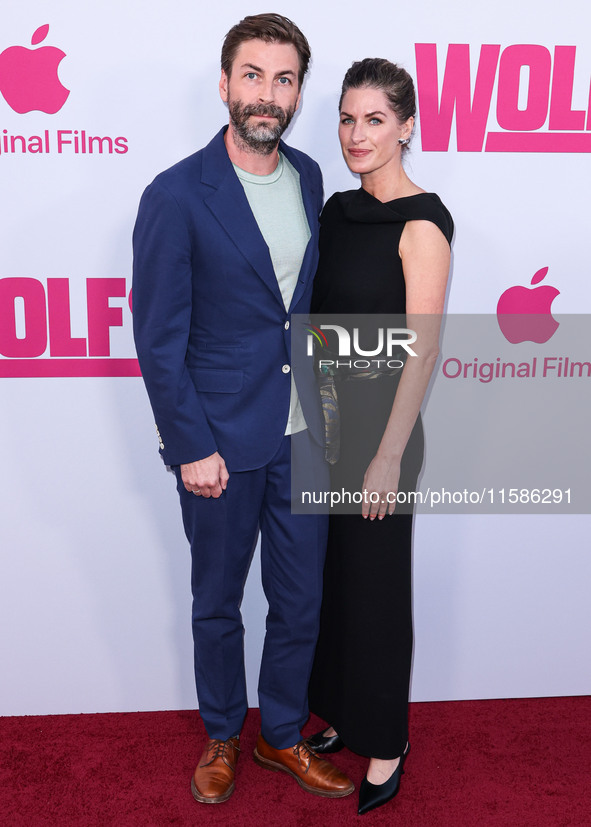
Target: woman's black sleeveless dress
{"x": 360, "y": 679}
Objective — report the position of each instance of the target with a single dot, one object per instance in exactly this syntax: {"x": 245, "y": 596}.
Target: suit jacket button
{"x": 285, "y": 368}
{"x": 287, "y": 325}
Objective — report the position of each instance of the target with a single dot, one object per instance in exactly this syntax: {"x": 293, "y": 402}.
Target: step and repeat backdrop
{"x": 95, "y": 100}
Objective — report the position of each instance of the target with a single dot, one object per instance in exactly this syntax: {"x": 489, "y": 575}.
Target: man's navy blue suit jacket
{"x": 210, "y": 325}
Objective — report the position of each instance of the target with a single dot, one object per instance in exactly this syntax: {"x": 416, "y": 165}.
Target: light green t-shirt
{"x": 276, "y": 203}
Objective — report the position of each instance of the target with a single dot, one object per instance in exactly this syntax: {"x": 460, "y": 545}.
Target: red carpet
{"x": 516, "y": 762}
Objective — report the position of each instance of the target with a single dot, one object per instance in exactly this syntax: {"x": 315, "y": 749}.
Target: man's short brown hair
{"x": 271, "y": 28}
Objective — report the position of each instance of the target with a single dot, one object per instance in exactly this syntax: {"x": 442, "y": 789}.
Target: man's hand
{"x": 206, "y": 477}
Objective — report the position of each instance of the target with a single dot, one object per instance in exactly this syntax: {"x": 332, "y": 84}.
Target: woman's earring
{"x": 403, "y": 141}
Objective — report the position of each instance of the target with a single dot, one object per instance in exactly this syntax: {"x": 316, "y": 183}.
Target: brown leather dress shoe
{"x": 213, "y": 780}
{"x": 312, "y": 773}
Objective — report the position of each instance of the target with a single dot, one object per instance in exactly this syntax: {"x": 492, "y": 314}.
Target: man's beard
{"x": 261, "y": 138}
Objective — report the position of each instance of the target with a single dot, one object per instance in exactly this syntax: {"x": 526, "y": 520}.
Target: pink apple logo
{"x": 523, "y": 313}
{"x": 28, "y": 77}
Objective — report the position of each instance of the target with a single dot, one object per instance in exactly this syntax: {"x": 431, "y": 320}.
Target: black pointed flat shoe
{"x": 323, "y": 744}
{"x": 375, "y": 795}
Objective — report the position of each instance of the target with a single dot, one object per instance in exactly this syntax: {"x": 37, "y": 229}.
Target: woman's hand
{"x": 380, "y": 486}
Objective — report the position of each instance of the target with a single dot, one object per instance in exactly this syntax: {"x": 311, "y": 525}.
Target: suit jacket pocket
{"x": 211, "y": 380}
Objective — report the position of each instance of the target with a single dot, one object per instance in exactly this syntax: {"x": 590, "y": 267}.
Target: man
{"x": 225, "y": 249}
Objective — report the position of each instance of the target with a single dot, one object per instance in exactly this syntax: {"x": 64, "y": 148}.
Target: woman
{"x": 384, "y": 248}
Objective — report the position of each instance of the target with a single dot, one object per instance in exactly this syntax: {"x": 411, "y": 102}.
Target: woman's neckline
{"x": 392, "y": 200}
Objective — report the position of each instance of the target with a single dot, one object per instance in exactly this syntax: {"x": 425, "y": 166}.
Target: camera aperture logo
{"x": 29, "y": 83}
{"x": 388, "y": 342}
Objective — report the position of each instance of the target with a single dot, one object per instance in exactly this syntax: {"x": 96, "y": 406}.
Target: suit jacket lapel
{"x": 229, "y": 204}
{"x": 310, "y": 199}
